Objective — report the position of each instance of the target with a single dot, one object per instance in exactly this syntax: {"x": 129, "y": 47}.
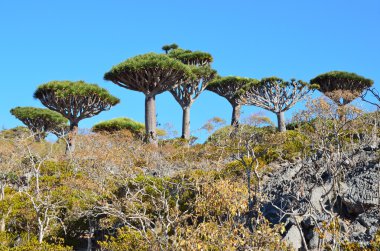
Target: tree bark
{"x": 40, "y": 234}
{"x": 281, "y": 121}
{"x": 186, "y": 122}
{"x": 2, "y": 224}
{"x": 71, "y": 137}
{"x": 235, "y": 115}
{"x": 37, "y": 137}
{"x": 150, "y": 120}
{"x": 2, "y": 197}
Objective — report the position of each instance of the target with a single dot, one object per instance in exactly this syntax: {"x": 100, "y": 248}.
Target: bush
{"x": 120, "y": 124}
{"x": 126, "y": 239}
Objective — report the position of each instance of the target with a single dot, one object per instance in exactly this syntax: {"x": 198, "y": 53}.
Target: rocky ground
{"x": 341, "y": 188}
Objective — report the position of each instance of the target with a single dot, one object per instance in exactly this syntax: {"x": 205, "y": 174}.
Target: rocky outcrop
{"x": 313, "y": 191}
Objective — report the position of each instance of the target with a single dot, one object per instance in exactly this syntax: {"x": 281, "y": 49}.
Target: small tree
{"x": 151, "y": 74}
{"x": 39, "y": 121}
{"x": 341, "y": 87}
{"x": 228, "y": 88}
{"x": 188, "y": 91}
{"x": 75, "y": 101}
{"x": 169, "y": 47}
{"x": 275, "y": 95}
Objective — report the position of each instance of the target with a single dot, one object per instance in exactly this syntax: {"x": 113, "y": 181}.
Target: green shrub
{"x": 126, "y": 239}
{"x": 119, "y": 124}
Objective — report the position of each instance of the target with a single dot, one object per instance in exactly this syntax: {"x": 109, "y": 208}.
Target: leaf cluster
{"x": 147, "y": 61}
{"x": 32, "y": 113}
{"x": 119, "y": 124}
{"x": 335, "y": 80}
{"x": 188, "y": 56}
{"x": 65, "y": 89}
{"x": 231, "y": 82}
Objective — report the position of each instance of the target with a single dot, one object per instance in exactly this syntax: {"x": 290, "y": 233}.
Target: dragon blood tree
{"x": 190, "y": 89}
{"x": 169, "y": 47}
{"x": 275, "y": 95}
{"x": 341, "y": 87}
{"x": 40, "y": 121}
{"x": 229, "y": 88}
{"x": 75, "y": 101}
{"x": 150, "y": 74}
{"x": 196, "y": 58}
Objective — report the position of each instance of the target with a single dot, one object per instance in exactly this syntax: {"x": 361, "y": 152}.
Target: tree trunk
{"x": 186, "y": 122}
{"x": 90, "y": 236}
{"x": 2, "y": 224}
{"x": 71, "y": 137}
{"x": 281, "y": 121}
{"x": 2, "y": 197}
{"x": 37, "y": 137}
{"x": 235, "y": 115}
{"x": 150, "y": 120}
{"x": 40, "y": 234}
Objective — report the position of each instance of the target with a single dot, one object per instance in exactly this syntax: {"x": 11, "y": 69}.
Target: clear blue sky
{"x": 49, "y": 40}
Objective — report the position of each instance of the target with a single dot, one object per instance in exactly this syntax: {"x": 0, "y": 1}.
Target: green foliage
{"x": 201, "y": 72}
{"x": 119, "y": 124}
{"x": 65, "y": 89}
{"x": 229, "y": 134}
{"x": 33, "y": 113}
{"x": 126, "y": 239}
{"x": 340, "y": 80}
{"x": 231, "y": 81}
{"x": 230, "y": 87}
{"x": 15, "y": 133}
{"x": 147, "y": 61}
{"x": 40, "y": 121}
{"x": 342, "y": 87}
{"x": 191, "y": 57}
{"x": 169, "y": 47}
{"x": 268, "y": 145}
{"x": 25, "y": 243}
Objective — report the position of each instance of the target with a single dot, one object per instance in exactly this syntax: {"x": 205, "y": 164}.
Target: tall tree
{"x": 75, "y": 101}
{"x": 190, "y": 89}
{"x": 228, "y": 88}
{"x": 150, "y": 74}
{"x": 275, "y": 95}
{"x": 340, "y": 86}
{"x": 39, "y": 121}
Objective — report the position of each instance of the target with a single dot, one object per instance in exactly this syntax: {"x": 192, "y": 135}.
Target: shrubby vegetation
{"x": 122, "y": 188}
{"x": 137, "y": 129}
{"x": 117, "y": 193}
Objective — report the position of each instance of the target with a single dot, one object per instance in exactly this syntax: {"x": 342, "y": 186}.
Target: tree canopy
{"x": 189, "y": 57}
{"x": 149, "y": 73}
{"x": 186, "y": 93}
{"x": 342, "y": 87}
{"x": 75, "y": 100}
{"x": 229, "y": 87}
{"x": 40, "y": 121}
{"x": 169, "y": 47}
{"x": 275, "y": 95}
